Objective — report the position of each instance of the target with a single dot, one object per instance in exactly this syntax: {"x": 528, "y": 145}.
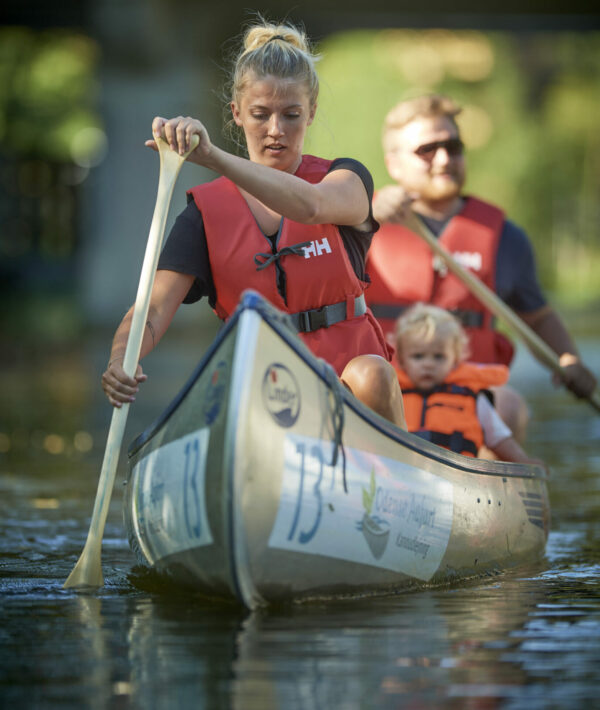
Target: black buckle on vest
{"x": 313, "y": 319}
{"x": 455, "y": 442}
{"x": 469, "y": 319}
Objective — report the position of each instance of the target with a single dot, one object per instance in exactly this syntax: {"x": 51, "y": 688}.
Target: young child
{"x": 446, "y": 399}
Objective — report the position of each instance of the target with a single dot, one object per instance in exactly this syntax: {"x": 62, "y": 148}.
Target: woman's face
{"x": 274, "y": 114}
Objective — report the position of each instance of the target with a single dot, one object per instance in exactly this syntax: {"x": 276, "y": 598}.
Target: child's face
{"x": 427, "y": 364}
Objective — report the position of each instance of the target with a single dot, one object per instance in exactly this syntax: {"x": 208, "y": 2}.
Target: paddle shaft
{"x": 538, "y": 347}
{"x": 87, "y": 572}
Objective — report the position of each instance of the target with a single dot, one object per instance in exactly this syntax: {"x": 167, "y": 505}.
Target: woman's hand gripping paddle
{"x": 87, "y": 573}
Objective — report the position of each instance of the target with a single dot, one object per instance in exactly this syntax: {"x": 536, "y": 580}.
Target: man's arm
{"x": 517, "y": 285}
{"x": 549, "y": 327}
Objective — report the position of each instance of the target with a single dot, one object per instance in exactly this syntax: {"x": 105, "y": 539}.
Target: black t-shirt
{"x": 516, "y": 278}
{"x": 186, "y": 249}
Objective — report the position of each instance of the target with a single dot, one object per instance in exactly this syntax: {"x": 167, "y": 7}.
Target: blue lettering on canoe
{"x": 306, "y": 535}
{"x": 190, "y": 488}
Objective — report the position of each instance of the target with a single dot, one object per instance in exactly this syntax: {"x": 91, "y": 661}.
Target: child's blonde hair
{"x": 426, "y": 322}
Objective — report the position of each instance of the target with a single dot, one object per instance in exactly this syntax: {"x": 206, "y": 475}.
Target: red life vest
{"x": 403, "y": 271}
{"x": 315, "y": 275}
{"x": 447, "y": 414}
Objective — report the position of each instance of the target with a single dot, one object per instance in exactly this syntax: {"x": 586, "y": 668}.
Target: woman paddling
{"x": 294, "y": 227}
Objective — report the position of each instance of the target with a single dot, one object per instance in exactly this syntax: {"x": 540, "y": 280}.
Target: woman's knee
{"x": 373, "y": 381}
{"x": 368, "y": 374}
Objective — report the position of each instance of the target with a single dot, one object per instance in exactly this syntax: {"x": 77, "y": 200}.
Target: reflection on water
{"x": 525, "y": 639}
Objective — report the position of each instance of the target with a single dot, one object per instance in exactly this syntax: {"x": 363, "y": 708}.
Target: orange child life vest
{"x": 447, "y": 414}
{"x": 315, "y": 275}
{"x": 403, "y": 271}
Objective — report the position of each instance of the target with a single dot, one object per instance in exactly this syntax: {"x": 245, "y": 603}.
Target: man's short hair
{"x": 429, "y": 106}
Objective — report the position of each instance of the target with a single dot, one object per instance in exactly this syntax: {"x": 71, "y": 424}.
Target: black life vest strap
{"x": 468, "y": 318}
{"x": 309, "y": 321}
{"x": 447, "y": 388}
{"x": 455, "y": 442}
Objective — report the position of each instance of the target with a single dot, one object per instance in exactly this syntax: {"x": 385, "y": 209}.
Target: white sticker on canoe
{"x": 170, "y": 511}
{"x": 393, "y": 515}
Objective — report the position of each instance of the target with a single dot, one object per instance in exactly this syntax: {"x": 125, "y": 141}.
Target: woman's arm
{"x": 169, "y": 290}
{"x": 340, "y": 198}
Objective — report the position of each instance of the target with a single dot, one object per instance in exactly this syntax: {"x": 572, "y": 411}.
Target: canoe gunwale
{"x": 283, "y": 327}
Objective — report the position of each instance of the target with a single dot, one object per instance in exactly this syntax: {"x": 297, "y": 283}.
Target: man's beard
{"x": 441, "y": 190}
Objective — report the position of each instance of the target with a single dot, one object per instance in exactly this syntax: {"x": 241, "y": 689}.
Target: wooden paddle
{"x": 538, "y": 347}
{"x": 87, "y": 573}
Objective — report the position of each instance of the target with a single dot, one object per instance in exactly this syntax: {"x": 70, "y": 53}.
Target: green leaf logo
{"x": 369, "y": 495}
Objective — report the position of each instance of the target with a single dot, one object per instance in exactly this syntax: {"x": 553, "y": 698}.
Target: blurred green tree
{"x": 530, "y": 106}
{"x": 50, "y": 136}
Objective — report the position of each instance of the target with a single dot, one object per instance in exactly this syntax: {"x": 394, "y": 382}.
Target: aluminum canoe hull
{"x": 265, "y": 481}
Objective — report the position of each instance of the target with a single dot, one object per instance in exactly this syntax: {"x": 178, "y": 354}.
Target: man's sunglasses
{"x": 453, "y": 146}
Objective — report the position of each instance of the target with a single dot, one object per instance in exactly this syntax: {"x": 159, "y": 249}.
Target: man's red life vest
{"x": 310, "y": 260}
{"x": 447, "y": 414}
{"x": 403, "y": 271}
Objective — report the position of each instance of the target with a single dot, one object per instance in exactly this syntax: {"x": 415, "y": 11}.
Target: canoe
{"x": 266, "y": 481}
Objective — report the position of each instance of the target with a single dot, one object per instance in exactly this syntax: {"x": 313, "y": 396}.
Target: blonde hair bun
{"x": 259, "y": 35}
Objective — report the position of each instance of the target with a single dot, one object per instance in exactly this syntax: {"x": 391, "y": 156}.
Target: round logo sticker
{"x": 281, "y": 394}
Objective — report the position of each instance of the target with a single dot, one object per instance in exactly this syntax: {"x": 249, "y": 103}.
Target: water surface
{"x": 528, "y": 638}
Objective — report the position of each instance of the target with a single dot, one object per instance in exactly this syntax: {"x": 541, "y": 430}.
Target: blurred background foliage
{"x": 530, "y": 106}
{"x": 529, "y": 120}
{"x": 50, "y": 138}
{"x": 48, "y": 95}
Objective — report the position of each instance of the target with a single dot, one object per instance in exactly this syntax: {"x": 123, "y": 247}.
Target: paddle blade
{"x": 87, "y": 573}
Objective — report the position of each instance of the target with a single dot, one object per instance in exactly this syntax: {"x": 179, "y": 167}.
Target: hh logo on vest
{"x": 468, "y": 259}
{"x": 317, "y": 248}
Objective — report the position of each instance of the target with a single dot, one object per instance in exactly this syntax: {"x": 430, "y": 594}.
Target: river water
{"x": 529, "y": 638}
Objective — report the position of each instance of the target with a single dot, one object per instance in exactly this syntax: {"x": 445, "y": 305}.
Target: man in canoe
{"x": 294, "y": 227}
{"x": 424, "y": 154}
